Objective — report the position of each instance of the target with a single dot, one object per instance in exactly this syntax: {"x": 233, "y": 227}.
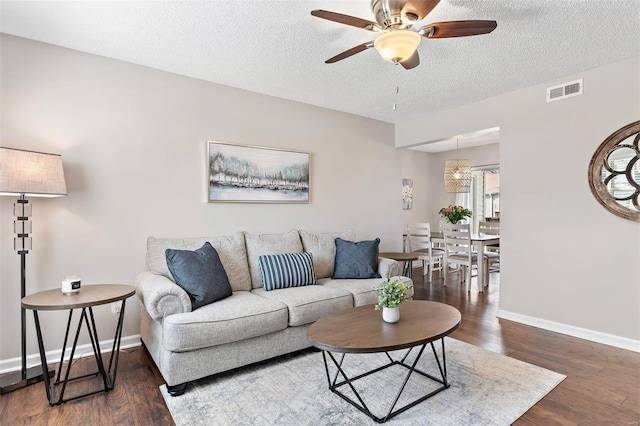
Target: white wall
{"x": 133, "y": 142}
{"x": 572, "y": 262}
{"x": 417, "y": 165}
{"x": 427, "y": 171}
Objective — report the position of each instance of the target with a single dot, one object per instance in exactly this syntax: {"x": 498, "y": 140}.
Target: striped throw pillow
{"x": 286, "y": 270}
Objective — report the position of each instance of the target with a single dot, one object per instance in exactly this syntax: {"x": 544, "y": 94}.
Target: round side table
{"x": 88, "y": 297}
{"x": 406, "y": 258}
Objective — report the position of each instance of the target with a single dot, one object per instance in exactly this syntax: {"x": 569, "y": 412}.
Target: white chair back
{"x": 489, "y": 228}
{"x": 457, "y": 241}
{"x": 419, "y": 238}
{"x": 459, "y": 250}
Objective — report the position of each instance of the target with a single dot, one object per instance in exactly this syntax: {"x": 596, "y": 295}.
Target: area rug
{"x": 486, "y": 389}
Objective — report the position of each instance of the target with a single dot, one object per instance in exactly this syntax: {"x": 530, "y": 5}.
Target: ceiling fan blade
{"x": 346, "y": 19}
{"x": 412, "y": 62}
{"x": 420, "y": 8}
{"x": 458, "y": 29}
{"x": 360, "y": 48}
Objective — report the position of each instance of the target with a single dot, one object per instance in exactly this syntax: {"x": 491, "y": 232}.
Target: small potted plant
{"x": 390, "y": 295}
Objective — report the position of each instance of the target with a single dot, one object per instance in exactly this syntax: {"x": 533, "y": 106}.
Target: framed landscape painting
{"x": 253, "y": 174}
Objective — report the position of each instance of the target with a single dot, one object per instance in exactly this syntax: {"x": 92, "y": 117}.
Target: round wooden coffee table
{"x": 362, "y": 330}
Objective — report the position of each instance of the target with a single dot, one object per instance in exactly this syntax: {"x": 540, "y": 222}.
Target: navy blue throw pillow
{"x": 200, "y": 273}
{"x": 356, "y": 259}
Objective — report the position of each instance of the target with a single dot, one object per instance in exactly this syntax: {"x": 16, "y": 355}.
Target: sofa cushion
{"x": 356, "y": 259}
{"x": 200, "y": 273}
{"x": 230, "y": 249}
{"x": 241, "y": 316}
{"x": 286, "y": 270}
{"x": 309, "y": 304}
{"x": 363, "y": 291}
{"x": 323, "y": 249}
{"x": 260, "y": 244}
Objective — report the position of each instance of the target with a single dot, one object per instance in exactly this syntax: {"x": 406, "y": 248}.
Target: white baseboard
{"x": 14, "y": 364}
{"x": 582, "y": 333}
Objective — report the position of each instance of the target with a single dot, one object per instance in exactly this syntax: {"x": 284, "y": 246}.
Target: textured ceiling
{"x": 277, "y": 48}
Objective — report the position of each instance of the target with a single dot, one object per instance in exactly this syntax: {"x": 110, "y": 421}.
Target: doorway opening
{"x": 485, "y": 195}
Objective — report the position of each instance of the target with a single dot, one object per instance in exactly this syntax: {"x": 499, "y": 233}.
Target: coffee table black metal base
{"x": 334, "y": 384}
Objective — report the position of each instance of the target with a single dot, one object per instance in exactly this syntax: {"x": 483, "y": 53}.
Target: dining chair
{"x": 491, "y": 228}
{"x": 459, "y": 251}
{"x": 419, "y": 238}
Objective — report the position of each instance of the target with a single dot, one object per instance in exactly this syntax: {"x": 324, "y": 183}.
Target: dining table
{"x": 479, "y": 242}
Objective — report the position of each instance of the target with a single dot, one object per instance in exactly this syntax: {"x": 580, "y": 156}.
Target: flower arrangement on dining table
{"x": 454, "y": 214}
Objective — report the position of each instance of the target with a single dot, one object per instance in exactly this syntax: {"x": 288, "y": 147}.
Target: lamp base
{"x": 13, "y": 381}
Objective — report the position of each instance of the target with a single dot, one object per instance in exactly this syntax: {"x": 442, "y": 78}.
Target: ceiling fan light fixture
{"x": 398, "y": 45}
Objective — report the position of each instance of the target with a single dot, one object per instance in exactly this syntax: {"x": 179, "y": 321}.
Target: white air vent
{"x": 566, "y": 90}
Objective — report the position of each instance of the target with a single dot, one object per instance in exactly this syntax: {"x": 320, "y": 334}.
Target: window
{"x": 485, "y": 194}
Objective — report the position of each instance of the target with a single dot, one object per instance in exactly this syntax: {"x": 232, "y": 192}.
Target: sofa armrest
{"x": 388, "y": 268}
{"x": 160, "y": 296}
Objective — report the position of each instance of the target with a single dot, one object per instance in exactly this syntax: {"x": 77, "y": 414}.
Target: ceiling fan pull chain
{"x": 397, "y": 91}
{"x": 395, "y": 107}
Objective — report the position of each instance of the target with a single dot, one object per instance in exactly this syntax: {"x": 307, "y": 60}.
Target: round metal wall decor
{"x": 614, "y": 172}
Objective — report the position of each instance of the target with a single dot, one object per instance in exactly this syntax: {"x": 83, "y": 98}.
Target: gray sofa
{"x": 252, "y": 324}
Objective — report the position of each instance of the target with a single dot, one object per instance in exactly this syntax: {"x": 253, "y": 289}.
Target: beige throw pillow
{"x": 261, "y": 244}
{"x": 323, "y": 249}
{"x": 231, "y": 250}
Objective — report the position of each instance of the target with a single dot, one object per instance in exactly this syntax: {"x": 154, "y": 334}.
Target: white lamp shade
{"x": 31, "y": 173}
{"x": 457, "y": 176}
{"x": 397, "y": 46}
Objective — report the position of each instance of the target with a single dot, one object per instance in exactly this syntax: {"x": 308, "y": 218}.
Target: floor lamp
{"x": 27, "y": 174}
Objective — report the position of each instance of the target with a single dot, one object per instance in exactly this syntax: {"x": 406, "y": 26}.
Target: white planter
{"x": 391, "y": 314}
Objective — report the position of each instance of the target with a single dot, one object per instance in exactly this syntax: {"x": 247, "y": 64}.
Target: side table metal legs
{"x": 407, "y": 269}
{"x": 108, "y": 375}
{"x": 361, "y": 405}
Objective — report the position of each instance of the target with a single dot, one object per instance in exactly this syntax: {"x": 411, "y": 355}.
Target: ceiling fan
{"x": 398, "y": 41}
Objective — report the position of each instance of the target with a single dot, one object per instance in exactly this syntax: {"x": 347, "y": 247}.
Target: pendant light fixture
{"x": 457, "y": 174}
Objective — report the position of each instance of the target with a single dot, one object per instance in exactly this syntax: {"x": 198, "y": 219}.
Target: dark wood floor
{"x": 602, "y": 384}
